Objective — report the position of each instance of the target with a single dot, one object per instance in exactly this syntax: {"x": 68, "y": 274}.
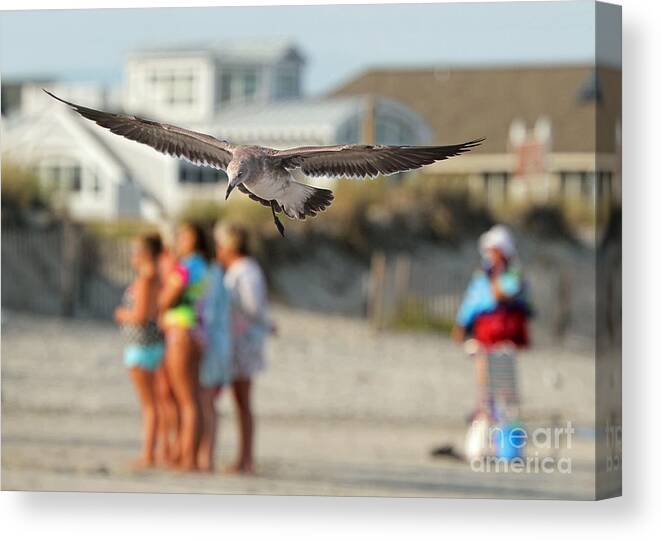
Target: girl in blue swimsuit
{"x": 144, "y": 349}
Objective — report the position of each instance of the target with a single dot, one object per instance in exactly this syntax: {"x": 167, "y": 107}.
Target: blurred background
{"x": 365, "y": 294}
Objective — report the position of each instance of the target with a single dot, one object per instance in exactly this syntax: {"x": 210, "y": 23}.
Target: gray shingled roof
{"x": 466, "y": 103}
{"x": 307, "y": 119}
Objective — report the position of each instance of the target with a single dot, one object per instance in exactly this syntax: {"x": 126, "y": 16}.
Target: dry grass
{"x": 393, "y": 213}
{"x": 21, "y": 188}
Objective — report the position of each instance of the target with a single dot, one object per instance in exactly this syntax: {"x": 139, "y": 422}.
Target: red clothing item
{"x": 503, "y": 324}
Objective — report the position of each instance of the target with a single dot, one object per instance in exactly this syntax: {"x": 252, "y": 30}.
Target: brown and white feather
{"x": 360, "y": 161}
{"x": 197, "y": 148}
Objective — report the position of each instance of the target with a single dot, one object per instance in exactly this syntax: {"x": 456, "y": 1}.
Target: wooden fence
{"x": 63, "y": 271}
{"x": 413, "y": 291}
{"x": 68, "y": 272}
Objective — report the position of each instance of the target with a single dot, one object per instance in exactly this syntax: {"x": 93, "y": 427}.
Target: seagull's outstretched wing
{"x": 359, "y": 161}
{"x": 195, "y": 147}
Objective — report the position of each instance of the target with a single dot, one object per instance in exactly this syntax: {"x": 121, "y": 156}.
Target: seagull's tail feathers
{"x": 301, "y": 200}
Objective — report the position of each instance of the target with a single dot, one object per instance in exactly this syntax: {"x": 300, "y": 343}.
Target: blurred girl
{"x": 168, "y": 414}
{"x": 250, "y": 326}
{"x": 144, "y": 350}
{"x": 216, "y": 368}
{"x": 182, "y": 322}
{"x": 495, "y": 310}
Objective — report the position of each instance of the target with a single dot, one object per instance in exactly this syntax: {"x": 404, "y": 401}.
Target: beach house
{"x": 553, "y": 132}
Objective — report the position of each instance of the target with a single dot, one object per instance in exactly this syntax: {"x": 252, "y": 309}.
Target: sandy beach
{"x": 341, "y": 410}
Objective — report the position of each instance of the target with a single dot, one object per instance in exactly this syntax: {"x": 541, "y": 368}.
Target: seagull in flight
{"x": 265, "y": 174}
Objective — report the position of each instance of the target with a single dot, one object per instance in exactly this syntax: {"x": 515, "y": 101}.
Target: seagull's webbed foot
{"x": 276, "y": 220}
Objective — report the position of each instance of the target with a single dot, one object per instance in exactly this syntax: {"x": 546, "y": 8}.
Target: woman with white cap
{"x": 495, "y": 308}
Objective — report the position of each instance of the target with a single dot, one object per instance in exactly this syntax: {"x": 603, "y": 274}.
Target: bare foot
{"x": 204, "y": 462}
{"x": 173, "y": 464}
{"x": 163, "y": 461}
{"x": 205, "y": 467}
{"x": 142, "y": 464}
{"x": 239, "y": 468}
{"x": 185, "y": 467}
{"x": 174, "y": 455}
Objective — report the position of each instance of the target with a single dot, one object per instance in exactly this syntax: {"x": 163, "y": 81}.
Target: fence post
{"x": 402, "y": 280}
{"x": 375, "y": 289}
{"x": 71, "y": 246}
{"x": 563, "y": 317}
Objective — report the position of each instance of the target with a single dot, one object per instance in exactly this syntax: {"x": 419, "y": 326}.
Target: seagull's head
{"x": 237, "y": 173}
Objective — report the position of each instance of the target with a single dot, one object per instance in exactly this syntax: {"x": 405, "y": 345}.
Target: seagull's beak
{"x": 230, "y": 187}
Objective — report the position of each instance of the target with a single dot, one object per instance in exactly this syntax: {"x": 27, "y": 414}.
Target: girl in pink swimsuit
{"x": 182, "y": 324}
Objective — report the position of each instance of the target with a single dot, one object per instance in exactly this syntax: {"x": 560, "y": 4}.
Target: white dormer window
{"x": 174, "y": 87}
{"x": 192, "y": 85}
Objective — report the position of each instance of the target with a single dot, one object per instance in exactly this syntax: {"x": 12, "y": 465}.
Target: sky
{"x": 338, "y": 41}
